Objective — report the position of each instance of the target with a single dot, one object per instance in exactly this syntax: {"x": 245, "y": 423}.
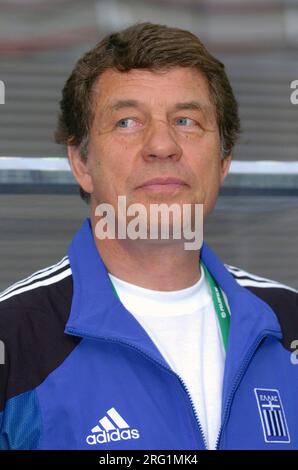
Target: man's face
{"x": 154, "y": 124}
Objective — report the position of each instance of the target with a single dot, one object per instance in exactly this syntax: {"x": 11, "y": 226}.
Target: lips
{"x": 166, "y": 185}
{"x": 163, "y": 181}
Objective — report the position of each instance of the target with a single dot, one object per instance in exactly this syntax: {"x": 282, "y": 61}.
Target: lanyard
{"x": 222, "y": 311}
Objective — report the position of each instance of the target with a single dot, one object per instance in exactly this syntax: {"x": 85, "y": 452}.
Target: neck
{"x": 159, "y": 265}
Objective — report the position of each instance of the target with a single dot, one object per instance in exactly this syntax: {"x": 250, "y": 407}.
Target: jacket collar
{"x": 251, "y": 320}
{"x": 96, "y": 311}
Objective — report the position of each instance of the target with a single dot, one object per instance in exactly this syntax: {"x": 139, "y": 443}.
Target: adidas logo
{"x": 111, "y": 428}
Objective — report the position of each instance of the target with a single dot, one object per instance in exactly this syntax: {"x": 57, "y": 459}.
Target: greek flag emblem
{"x": 272, "y": 415}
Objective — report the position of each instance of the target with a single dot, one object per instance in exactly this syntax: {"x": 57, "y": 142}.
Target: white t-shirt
{"x": 183, "y": 325}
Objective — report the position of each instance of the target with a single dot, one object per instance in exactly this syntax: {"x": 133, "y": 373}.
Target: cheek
{"x": 101, "y": 160}
{"x": 109, "y": 174}
{"x": 119, "y": 159}
{"x": 206, "y": 165}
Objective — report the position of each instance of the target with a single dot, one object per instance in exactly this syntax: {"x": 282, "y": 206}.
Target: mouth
{"x": 167, "y": 185}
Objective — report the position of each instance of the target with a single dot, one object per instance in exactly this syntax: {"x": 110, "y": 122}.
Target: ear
{"x": 225, "y": 166}
{"x": 80, "y": 168}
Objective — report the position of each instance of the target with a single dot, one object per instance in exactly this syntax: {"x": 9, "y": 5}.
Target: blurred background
{"x": 255, "y": 223}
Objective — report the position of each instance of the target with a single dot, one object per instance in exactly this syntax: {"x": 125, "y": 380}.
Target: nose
{"x": 160, "y": 142}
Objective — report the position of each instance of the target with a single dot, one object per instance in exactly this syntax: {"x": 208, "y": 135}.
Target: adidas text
{"x": 103, "y": 437}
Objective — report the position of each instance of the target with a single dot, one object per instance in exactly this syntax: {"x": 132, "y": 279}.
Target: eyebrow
{"x": 192, "y": 105}
{"x": 125, "y": 104}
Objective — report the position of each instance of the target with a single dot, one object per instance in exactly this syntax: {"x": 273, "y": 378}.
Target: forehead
{"x": 162, "y": 86}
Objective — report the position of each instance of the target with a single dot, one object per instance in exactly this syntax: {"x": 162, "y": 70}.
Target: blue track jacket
{"x": 80, "y": 372}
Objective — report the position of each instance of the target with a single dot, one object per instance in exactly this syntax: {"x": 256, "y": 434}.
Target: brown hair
{"x": 143, "y": 46}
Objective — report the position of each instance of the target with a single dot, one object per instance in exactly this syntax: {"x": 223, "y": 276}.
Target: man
{"x": 138, "y": 342}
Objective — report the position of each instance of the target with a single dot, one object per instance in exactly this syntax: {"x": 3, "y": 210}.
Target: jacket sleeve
{"x": 20, "y": 423}
{"x": 4, "y": 367}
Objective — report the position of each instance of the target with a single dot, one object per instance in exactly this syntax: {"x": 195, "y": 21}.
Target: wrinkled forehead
{"x": 183, "y": 87}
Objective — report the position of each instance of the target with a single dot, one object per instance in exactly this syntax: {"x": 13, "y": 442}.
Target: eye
{"x": 125, "y": 123}
{"x": 184, "y": 121}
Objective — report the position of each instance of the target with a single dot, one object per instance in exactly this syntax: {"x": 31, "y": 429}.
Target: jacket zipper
{"x": 252, "y": 351}
{"x": 140, "y": 350}
{"x": 193, "y": 407}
